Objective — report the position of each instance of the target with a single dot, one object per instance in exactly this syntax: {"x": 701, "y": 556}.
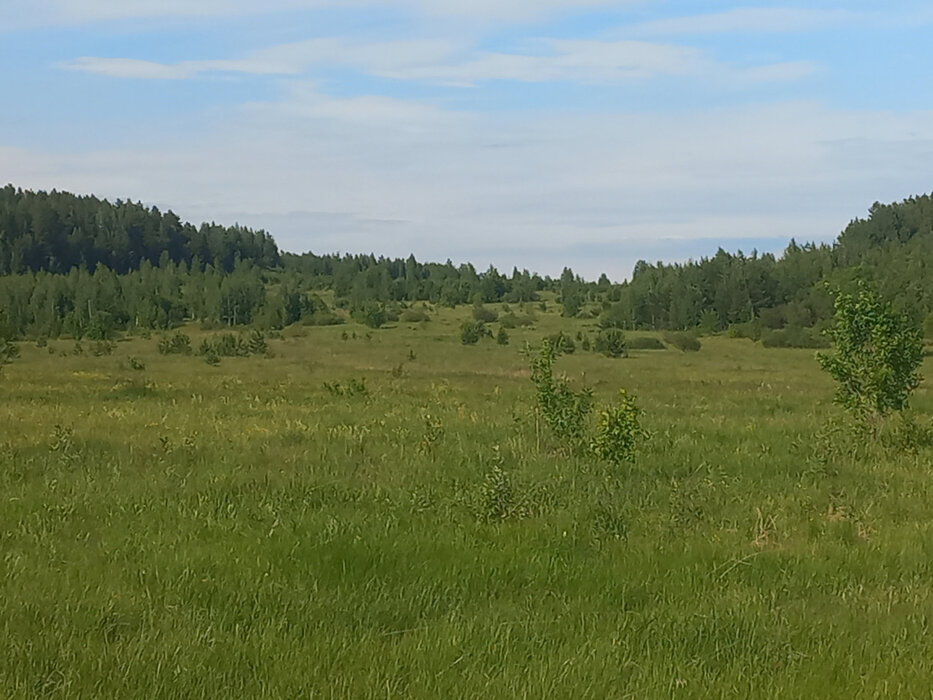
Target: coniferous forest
{"x": 86, "y": 267}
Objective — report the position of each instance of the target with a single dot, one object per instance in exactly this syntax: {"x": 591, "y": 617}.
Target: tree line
{"x": 85, "y": 266}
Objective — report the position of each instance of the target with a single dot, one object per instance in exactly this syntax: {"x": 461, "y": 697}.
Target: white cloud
{"x": 444, "y": 62}
{"x": 748, "y": 20}
{"x": 286, "y": 59}
{"x": 16, "y": 14}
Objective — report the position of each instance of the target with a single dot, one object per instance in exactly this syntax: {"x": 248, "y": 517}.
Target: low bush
{"x": 610, "y": 342}
{"x": 683, "y": 341}
{"x": 414, "y": 316}
{"x": 749, "y": 329}
{"x": 793, "y": 337}
{"x": 484, "y": 314}
{"x": 471, "y": 332}
{"x": 513, "y": 320}
{"x": 175, "y": 344}
{"x": 645, "y": 343}
{"x": 563, "y": 344}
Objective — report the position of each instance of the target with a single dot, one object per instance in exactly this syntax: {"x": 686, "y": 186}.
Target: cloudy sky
{"x": 536, "y": 133}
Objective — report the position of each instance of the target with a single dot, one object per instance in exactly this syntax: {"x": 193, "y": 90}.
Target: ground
{"x": 184, "y": 530}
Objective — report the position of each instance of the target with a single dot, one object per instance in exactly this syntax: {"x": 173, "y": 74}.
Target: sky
{"x": 530, "y": 133}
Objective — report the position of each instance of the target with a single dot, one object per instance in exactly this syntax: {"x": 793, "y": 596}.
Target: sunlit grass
{"x": 241, "y": 531}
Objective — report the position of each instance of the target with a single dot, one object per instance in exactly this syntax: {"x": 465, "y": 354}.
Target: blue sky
{"x": 536, "y": 133}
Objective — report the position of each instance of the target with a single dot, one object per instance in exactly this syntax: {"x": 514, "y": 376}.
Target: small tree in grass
{"x": 877, "y": 357}
{"x": 8, "y": 352}
{"x": 618, "y": 431}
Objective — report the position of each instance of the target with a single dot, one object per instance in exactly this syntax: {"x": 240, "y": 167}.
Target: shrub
{"x": 564, "y": 411}
{"x": 646, "y": 342}
{"x": 563, "y": 344}
{"x": 370, "y": 313}
{"x": 484, "y": 314}
{"x": 472, "y": 331}
{"x": 322, "y": 317}
{"x": 177, "y": 343}
{"x": 497, "y": 500}
{"x": 257, "y": 344}
{"x": 749, "y": 329}
{"x": 878, "y": 354}
{"x": 413, "y": 316}
{"x": 502, "y": 337}
{"x": 611, "y": 342}
{"x": 512, "y": 320}
{"x": 8, "y": 352}
{"x": 103, "y": 348}
{"x": 618, "y": 431}
{"x": 683, "y": 341}
{"x": 793, "y": 337}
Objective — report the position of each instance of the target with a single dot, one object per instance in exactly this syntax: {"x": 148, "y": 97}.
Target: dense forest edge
{"x": 81, "y": 266}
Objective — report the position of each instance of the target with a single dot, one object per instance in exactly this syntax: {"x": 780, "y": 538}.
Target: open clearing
{"x": 185, "y": 530}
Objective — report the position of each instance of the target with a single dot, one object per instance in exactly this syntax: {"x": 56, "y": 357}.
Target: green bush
{"x": 563, "y": 344}
{"x": 502, "y": 337}
{"x": 793, "y": 337}
{"x": 370, "y": 313}
{"x": 513, "y": 320}
{"x": 749, "y": 329}
{"x": 645, "y": 343}
{"x": 414, "y": 316}
{"x": 484, "y": 314}
{"x": 175, "y": 344}
{"x": 472, "y": 331}
{"x": 611, "y": 342}
{"x": 683, "y": 341}
{"x": 877, "y": 357}
{"x": 564, "y": 411}
{"x": 618, "y": 431}
{"x": 257, "y": 344}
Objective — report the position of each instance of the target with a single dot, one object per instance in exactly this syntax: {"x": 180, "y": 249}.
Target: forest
{"x": 85, "y": 267}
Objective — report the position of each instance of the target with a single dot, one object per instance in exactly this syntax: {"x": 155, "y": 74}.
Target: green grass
{"x": 241, "y": 531}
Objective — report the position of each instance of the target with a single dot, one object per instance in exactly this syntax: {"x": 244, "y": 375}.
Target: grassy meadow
{"x": 244, "y": 531}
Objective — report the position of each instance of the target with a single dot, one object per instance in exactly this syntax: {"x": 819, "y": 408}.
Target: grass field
{"x": 189, "y": 531}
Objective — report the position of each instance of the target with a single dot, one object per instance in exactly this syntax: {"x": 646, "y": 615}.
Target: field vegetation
{"x": 357, "y": 511}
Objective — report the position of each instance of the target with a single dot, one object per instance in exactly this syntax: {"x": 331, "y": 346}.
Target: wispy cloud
{"x": 15, "y": 14}
{"x": 748, "y": 20}
{"x": 286, "y": 59}
{"x": 443, "y": 62}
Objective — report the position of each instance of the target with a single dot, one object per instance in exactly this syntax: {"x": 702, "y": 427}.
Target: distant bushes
{"x": 610, "y": 342}
{"x": 484, "y": 314}
{"x": 683, "y": 341}
{"x": 645, "y": 343}
{"x": 793, "y": 337}
{"x": 472, "y": 331}
{"x": 562, "y": 343}
{"x": 414, "y": 316}
{"x": 175, "y": 344}
{"x": 513, "y": 320}
{"x": 370, "y": 313}
{"x": 749, "y": 329}
{"x": 232, "y": 345}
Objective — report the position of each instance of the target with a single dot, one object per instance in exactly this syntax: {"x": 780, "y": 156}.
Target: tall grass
{"x": 242, "y": 531}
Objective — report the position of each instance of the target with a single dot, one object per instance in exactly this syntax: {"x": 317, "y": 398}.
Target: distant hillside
{"x": 56, "y": 231}
{"x": 81, "y": 265}
{"x": 893, "y": 248}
